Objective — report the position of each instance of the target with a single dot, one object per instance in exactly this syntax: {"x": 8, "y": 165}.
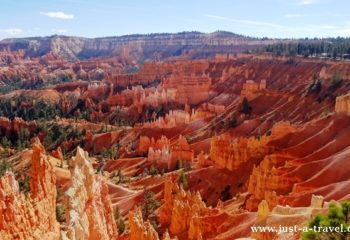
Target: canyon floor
{"x": 180, "y": 148}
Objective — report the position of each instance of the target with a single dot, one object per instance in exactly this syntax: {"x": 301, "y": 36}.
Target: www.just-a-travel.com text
{"x": 293, "y": 229}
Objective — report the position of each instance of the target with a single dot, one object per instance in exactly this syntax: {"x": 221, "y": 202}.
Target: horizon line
{"x": 181, "y": 32}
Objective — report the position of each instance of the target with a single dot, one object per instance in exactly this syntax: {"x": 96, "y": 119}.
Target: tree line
{"x": 336, "y": 48}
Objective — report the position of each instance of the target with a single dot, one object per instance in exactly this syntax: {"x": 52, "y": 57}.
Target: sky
{"x": 99, "y": 18}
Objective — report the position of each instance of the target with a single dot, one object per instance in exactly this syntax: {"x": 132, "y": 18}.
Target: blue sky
{"x": 97, "y": 18}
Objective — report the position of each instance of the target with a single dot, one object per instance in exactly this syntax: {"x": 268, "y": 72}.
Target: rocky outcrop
{"x": 140, "y": 230}
{"x": 281, "y": 129}
{"x": 160, "y": 157}
{"x": 202, "y": 160}
{"x": 252, "y": 89}
{"x": 101, "y": 141}
{"x": 265, "y": 181}
{"x": 179, "y": 209}
{"x": 178, "y": 117}
{"x": 229, "y": 153}
{"x": 232, "y": 153}
{"x": 165, "y": 210}
{"x": 15, "y": 125}
{"x": 170, "y": 120}
{"x": 165, "y": 154}
{"x": 186, "y": 206}
{"x": 138, "y": 96}
{"x": 89, "y": 213}
{"x": 186, "y": 215}
{"x": 31, "y": 216}
{"x": 213, "y": 108}
{"x": 191, "y": 81}
{"x": 149, "y": 73}
{"x": 181, "y": 152}
{"x": 159, "y": 152}
{"x": 146, "y": 143}
{"x": 263, "y": 211}
{"x": 342, "y": 104}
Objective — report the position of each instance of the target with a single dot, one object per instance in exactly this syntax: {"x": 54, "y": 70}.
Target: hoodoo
{"x": 30, "y": 214}
{"x": 89, "y": 208}
{"x": 174, "y": 136}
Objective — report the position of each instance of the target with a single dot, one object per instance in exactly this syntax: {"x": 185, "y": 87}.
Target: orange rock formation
{"x": 33, "y": 216}
{"x": 252, "y": 90}
{"x": 232, "y": 153}
{"x": 15, "y": 125}
{"x": 186, "y": 215}
{"x": 180, "y": 208}
{"x": 140, "y": 230}
{"x": 164, "y": 154}
{"x": 342, "y": 104}
{"x": 89, "y": 210}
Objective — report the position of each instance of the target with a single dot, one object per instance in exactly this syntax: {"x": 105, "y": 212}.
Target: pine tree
{"x": 183, "y": 180}
{"x": 148, "y": 206}
{"x": 120, "y": 176}
{"x": 121, "y": 226}
{"x": 116, "y": 213}
{"x": 5, "y": 142}
{"x": 246, "y": 108}
{"x": 177, "y": 164}
{"x": 232, "y": 123}
{"x": 5, "y": 165}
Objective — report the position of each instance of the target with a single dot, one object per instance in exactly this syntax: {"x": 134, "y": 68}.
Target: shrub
{"x": 116, "y": 213}
{"x": 338, "y": 216}
{"x": 5, "y": 166}
{"x": 5, "y": 142}
{"x": 183, "y": 180}
{"x": 148, "y": 206}
{"x": 24, "y": 185}
{"x": 153, "y": 171}
{"x": 178, "y": 164}
{"x": 316, "y": 85}
{"x": 336, "y": 82}
{"x": 60, "y": 212}
{"x": 225, "y": 194}
{"x": 246, "y": 108}
{"x": 121, "y": 226}
{"x": 232, "y": 123}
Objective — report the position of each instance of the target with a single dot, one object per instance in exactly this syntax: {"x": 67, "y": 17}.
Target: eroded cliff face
{"x": 32, "y": 215}
{"x": 89, "y": 211}
{"x": 232, "y": 153}
{"x": 251, "y": 90}
{"x": 154, "y": 46}
{"x": 301, "y": 165}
